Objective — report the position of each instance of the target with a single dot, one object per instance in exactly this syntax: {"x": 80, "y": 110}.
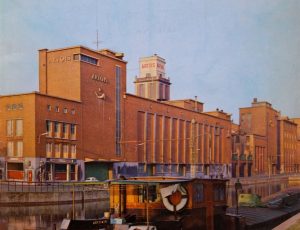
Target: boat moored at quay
{"x": 163, "y": 203}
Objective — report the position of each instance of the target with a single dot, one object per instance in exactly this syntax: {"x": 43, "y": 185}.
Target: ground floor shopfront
{"x": 129, "y": 169}
{"x": 55, "y": 170}
{"x": 41, "y": 169}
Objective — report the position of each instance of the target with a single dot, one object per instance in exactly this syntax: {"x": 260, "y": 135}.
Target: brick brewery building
{"x": 265, "y": 143}
{"x": 83, "y": 123}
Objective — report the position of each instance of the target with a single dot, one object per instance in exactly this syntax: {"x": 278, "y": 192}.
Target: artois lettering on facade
{"x": 60, "y": 59}
{"x": 14, "y": 106}
{"x": 96, "y": 77}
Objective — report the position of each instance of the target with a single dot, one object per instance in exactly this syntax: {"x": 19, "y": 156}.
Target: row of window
{"x": 85, "y": 58}
{"x": 57, "y": 109}
{"x": 61, "y": 130}
{"x": 14, "y": 128}
{"x": 15, "y": 148}
{"x": 60, "y": 150}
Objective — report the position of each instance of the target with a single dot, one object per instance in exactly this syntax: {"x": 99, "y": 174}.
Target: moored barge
{"x": 167, "y": 202}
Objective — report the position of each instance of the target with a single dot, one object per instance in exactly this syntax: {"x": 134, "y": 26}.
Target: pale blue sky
{"x": 225, "y": 52}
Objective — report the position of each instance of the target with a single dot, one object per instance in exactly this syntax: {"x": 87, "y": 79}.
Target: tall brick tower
{"x": 152, "y": 82}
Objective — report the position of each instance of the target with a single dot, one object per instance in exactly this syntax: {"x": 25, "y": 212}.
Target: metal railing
{"x": 20, "y": 186}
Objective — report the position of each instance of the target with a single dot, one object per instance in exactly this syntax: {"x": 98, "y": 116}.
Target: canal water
{"x": 50, "y": 216}
{"x": 262, "y": 189}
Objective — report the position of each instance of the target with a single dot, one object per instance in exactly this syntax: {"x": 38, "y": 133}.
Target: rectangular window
{"x": 49, "y": 107}
{"x": 65, "y": 131}
{"x": 198, "y": 194}
{"x": 57, "y": 150}
{"x": 85, "y": 58}
{"x": 10, "y": 149}
{"x": 141, "y": 90}
{"x": 65, "y": 110}
{"x": 56, "y": 109}
{"x": 249, "y": 120}
{"x": 151, "y": 90}
{"x": 141, "y": 168}
{"x": 161, "y": 90}
{"x": 19, "y": 148}
{"x": 49, "y": 150}
{"x": 152, "y": 195}
{"x": 73, "y": 151}
{"x": 73, "y": 131}
{"x": 118, "y": 110}
{"x": 219, "y": 192}
{"x": 65, "y": 151}
{"x": 19, "y": 128}
{"x": 9, "y": 128}
{"x": 57, "y": 129}
{"x": 49, "y": 128}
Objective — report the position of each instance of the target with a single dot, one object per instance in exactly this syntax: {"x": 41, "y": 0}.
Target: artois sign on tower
{"x": 153, "y": 66}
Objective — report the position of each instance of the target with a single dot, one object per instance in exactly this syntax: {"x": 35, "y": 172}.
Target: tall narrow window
{"x": 65, "y": 130}
{"x": 49, "y": 150}
{"x": 57, "y": 129}
{"x": 73, "y": 131}
{"x": 19, "y": 128}
{"x": 141, "y": 90}
{"x": 73, "y": 151}
{"x": 49, "y": 128}
{"x": 65, "y": 151}
{"x": 19, "y": 148}
{"x": 9, "y": 128}
{"x": 57, "y": 150}
{"x": 118, "y": 110}
{"x": 10, "y": 149}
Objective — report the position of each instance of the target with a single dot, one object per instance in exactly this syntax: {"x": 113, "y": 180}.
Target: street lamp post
{"x": 39, "y": 137}
{"x": 42, "y": 163}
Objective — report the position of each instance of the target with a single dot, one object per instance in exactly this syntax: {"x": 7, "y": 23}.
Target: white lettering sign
{"x": 60, "y": 59}
{"x": 96, "y": 77}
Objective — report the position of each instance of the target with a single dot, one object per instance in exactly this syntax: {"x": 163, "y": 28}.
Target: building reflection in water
{"x": 262, "y": 189}
{"x": 48, "y": 216}
{"x": 45, "y": 217}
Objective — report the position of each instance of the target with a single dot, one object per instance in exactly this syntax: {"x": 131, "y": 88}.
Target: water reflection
{"x": 48, "y": 216}
{"x": 262, "y": 189}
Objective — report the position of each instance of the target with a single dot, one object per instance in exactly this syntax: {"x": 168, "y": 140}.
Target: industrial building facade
{"x": 83, "y": 123}
{"x": 266, "y": 143}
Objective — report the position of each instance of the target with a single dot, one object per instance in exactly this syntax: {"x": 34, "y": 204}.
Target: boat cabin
{"x": 178, "y": 203}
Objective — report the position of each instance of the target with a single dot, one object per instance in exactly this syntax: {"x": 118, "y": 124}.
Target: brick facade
{"x": 266, "y": 140}
{"x": 82, "y": 122}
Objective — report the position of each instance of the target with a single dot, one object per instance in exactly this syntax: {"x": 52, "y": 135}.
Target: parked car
{"x": 91, "y": 179}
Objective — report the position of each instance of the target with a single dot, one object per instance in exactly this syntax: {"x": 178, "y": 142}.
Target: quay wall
{"x": 261, "y": 179}
{"x": 44, "y": 198}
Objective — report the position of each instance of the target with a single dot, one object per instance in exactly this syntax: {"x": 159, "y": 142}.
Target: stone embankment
{"x": 28, "y": 195}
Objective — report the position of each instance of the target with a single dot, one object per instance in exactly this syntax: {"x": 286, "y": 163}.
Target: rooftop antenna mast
{"x": 97, "y": 41}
